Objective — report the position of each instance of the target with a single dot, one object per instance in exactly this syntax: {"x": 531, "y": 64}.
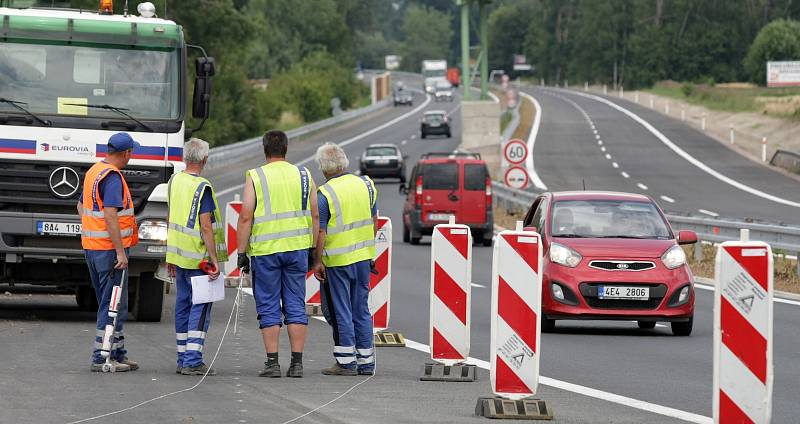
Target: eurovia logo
{"x": 45, "y": 147}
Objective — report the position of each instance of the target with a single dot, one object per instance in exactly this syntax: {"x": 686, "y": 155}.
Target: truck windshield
{"x": 433, "y": 73}
{"x": 56, "y": 79}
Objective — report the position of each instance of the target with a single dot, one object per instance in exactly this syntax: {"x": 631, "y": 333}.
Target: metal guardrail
{"x": 713, "y": 230}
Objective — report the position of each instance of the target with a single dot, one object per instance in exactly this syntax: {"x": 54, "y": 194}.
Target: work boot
{"x": 295, "y": 370}
{"x": 366, "y": 372}
{"x": 178, "y": 369}
{"x": 114, "y": 367}
{"x": 133, "y": 364}
{"x": 337, "y": 369}
{"x": 201, "y": 369}
{"x": 271, "y": 370}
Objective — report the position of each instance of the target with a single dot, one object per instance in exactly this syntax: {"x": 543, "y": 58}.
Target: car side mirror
{"x": 201, "y": 102}
{"x": 687, "y": 237}
{"x": 402, "y": 189}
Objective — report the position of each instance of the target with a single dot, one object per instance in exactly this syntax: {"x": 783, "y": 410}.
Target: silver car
{"x": 443, "y": 91}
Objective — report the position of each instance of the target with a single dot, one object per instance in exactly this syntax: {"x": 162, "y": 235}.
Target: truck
{"x": 433, "y": 71}
{"x": 69, "y": 79}
{"x": 454, "y": 76}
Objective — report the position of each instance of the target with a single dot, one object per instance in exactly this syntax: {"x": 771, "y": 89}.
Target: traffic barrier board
{"x": 451, "y": 275}
{"x": 516, "y": 313}
{"x": 516, "y": 177}
{"x": 515, "y": 152}
{"x": 380, "y": 284}
{"x": 743, "y": 319}
{"x": 230, "y": 268}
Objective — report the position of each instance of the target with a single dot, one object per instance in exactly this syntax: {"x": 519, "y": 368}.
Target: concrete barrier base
{"x": 388, "y": 339}
{"x": 313, "y": 310}
{"x": 441, "y": 372}
{"x": 524, "y": 409}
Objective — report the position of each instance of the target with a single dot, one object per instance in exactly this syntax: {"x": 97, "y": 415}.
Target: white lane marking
{"x": 404, "y": 142}
{"x": 597, "y": 136}
{"x": 608, "y": 156}
{"x": 480, "y": 286}
{"x": 600, "y": 142}
{"x": 667, "y": 199}
{"x": 494, "y": 97}
{"x": 603, "y": 149}
{"x": 615, "y": 165}
{"x": 537, "y": 120}
{"x": 625, "y": 174}
{"x": 641, "y": 186}
{"x": 774, "y": 299}
{"x": 350, "y": 140}
{"x": 707, "y": 212}
{"x": 588, "y": 391}
{"x": 594, "y": 130}
{"x": 691, "y": 159}
{"x": 413, "y": 136}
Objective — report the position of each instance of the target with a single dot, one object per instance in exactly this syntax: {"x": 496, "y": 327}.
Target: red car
{"x": 612, "y": 256}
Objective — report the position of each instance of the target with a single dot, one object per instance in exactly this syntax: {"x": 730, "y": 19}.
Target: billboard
{"x": 392, "y": 62}
{"x": 521, "y": 63}
{"x": 783, "y": 74}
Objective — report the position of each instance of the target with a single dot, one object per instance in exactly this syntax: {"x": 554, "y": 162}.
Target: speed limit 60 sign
{"x": 515, "y": 152}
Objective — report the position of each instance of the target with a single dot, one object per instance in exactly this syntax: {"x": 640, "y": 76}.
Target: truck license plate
{"x": 623, "y": 292}
{"x": 58, "y": 228}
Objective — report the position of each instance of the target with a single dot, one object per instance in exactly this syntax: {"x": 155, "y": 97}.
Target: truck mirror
{"x": 205, "y": 67}
{"x": 201, "y": 103}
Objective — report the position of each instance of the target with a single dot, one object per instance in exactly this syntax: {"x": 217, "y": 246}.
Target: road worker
{"x": 195, "y": 234}
{"x": 108, "y": 231}
{"x": 277, "y": 224}
{"x": 344, "y": 251}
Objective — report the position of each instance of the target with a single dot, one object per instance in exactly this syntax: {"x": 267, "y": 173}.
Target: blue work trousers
{"x": 345, "y": 296}
{"x": 104, "y": 277}
{"x": 279, "y": 286}
{"x": 191, "y": 321}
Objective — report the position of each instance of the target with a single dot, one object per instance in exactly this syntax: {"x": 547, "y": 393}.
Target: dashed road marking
{"x": 597, "y": 136}
{"x": 667, "y": 199}
{"x": 708, "y": 212}
{"x": 615, "y": 165}
{"x": 404, "y": 142}
{"x": 625, "y": 174}
{"x": 608, "y": 156}
{"x": 641, "y": 186}
{"x": 600, "y": 142}
{"x": 480, "y": 286}
{"x": 603, "y": 149}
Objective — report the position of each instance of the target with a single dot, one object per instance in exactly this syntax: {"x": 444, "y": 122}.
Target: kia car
{"x": 435, "y": 122}
{"x": 383, "y": 161}
{"x": 446, "y": 184}
{"x": 612, "y": 256}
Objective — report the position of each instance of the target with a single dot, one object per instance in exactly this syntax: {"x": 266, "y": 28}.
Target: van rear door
{"x": 473, "y": 193}
{"x": 440, "y": 192}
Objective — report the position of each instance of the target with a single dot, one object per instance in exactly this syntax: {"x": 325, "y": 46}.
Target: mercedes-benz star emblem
{"x": 64, "y": 182}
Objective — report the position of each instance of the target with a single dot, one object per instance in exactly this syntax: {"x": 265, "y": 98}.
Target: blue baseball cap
{"x": 121, "y": 142}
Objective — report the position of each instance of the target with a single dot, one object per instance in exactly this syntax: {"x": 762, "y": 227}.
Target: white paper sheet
{"x": 205, "y": 290}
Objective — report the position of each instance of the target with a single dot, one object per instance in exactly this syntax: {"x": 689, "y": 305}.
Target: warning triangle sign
{"x": 518, "y": 359}
{"x": 747, "y": 301}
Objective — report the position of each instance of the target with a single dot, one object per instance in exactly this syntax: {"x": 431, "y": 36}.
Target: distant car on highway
{"x": 612, "y": 256}
{"x": 445, "y": 184}
{"x": 443, "y": 91}
{"x": 383, "y": 161}
{"x": 435, "y": 122}
{"x": 402, "y": 97}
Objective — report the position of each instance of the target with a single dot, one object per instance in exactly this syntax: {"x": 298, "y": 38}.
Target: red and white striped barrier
{"x": 516, "y": 314}
{"x": 232, "y": 211}
{"x": 743, "y": 373}
{"x": 312, "y": 289}
{"x": 451, "y": 276}
{"x": 380, "y": 284}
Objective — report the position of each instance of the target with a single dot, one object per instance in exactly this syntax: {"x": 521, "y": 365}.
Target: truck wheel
{"x": 86, "y": 298}
{"x": 149, "y": 298}
{"x": 423, "y": 135}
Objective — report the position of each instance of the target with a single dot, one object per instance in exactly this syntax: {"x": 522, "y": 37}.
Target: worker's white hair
{"x": 331, "y": 159}
{"x": 195, "y": 150}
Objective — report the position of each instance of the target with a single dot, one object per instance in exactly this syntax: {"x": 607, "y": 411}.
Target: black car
{"x": 383, "y": 161}
{"x": 435, "y": 122}
{"x": 403, "y": 97}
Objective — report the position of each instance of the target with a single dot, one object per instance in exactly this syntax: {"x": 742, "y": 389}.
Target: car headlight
{"x": 153, "y": 230}
{"x": 563, "y": 255}
{"x": 674, "y": 257}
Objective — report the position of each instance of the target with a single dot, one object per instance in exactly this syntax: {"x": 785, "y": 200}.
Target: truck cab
{"x": 68, "y": 81}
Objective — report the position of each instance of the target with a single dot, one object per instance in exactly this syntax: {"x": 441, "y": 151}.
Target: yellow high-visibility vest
{"x": 282, "y": 218}
{"x": 350, "y": 235}
{"x": 185, "y": 246}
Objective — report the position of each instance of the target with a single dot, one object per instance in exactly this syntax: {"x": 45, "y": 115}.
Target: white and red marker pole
{"x": 380, "y": 284}
{"x": 743, "y": 317}
{"x": 312, "y": 289}
{"x": 232, "y": 211}
{"x": 516, "y": 313}
{"x": 451, "y": 277}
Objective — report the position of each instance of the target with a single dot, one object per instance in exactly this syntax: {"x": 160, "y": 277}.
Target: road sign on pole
{"x": 516, "y": 177}
{"x": 515, "y": 152}
{"x": 743, "y": 317}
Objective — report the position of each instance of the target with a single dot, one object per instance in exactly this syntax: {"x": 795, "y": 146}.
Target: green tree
{"x": 780, "y": 40}
{"x": 427, "y": 35}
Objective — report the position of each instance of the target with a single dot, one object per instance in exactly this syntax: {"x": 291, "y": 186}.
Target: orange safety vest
{"x": 94, "y": 234}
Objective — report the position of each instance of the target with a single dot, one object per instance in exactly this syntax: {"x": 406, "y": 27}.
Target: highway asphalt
{"x": 45, "y": 341}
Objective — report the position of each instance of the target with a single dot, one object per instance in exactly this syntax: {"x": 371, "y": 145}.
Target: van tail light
{"x": 418, "y": 192}
{"x": 488, "y": 194}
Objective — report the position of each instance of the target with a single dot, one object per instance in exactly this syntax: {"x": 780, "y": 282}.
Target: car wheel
{"x": 682, "y": 328}
{"x": 548, "y": 325}
{"x": 646, "y": 325}
{"x": 449, "y": 135}
{"x": 406, "y": 234}
{"x": 415, "y": 239}
{"x": 402, "y": 178}
{"x": 423, "y": 135}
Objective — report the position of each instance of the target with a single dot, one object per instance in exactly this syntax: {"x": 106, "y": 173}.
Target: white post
{"x": 541, "y": 82}
{"x": 666, "y": 108}
{"x": 703, "y": 122}
{"x": 586, "y": 86}
{"x": 764, "y": 149}
{"x": 605, "y": 89}
{"x": 652, "y": 103}
{"x": 636, "y": 96}
{"x": 519, "y": 226}
{"x": 683, "y": 114}
{"x": 566, "y": 83}
{"x": 744, "y": 234}
{"x": 237, "y": 197}
{"x": 733, "y": 135}
{"x": 621, "y": 92}
{"x": 452, "y": 220}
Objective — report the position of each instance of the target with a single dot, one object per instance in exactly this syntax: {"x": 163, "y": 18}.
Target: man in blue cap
{"x": 108, "y": 231}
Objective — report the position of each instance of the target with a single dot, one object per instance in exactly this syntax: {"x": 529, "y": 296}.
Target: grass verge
{"x": 526, "y": 113}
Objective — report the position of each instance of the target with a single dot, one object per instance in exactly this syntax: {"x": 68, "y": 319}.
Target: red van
{"x": 444, "y": 184}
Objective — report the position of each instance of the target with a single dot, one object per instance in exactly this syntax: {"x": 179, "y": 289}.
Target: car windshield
{"x": 59, "y": 79}
{"x": 607, "y": 219}
{"x": 434, "y": 119}
{"x": 381, "y": 151}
